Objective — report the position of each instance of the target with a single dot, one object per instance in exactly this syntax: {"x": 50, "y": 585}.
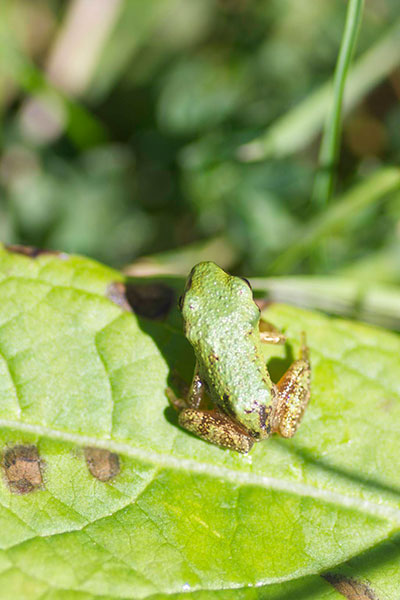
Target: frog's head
{"x": 211, "y": 293}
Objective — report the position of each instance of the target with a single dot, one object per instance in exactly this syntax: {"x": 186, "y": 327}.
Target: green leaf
{"x": 181, "y": 518}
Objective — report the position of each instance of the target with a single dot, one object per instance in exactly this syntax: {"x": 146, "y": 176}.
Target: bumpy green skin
{"x": 221, "y": 322}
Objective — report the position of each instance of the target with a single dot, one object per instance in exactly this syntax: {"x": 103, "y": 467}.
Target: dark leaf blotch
{"x": 116, "y": 292}
{"x": 102, "y": 464}
{"x": 350, "y": 588}
{"x": 22, "y": 468}
{"x": 33, "y": 252}
{"x": 150, "y": 300}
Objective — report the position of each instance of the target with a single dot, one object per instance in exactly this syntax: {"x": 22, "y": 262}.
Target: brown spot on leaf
{"x": 33, "y": 252}
{"x": 102, "y": 464}
{"x": 350, "y": 588}
{"x": 150, "y": 300}
{"x": 22, "y": 467}
{"x": 116, "y": 292}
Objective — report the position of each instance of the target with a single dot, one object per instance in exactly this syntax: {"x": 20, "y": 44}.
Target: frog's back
{"x": 221, "y": 322}
{"x": 231, "y": 364}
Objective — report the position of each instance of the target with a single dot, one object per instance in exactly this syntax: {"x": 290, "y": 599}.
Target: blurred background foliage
{"x": 188, "y": 129}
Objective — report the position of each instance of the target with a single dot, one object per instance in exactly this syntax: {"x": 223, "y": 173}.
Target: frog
{"x": 232, "y": 401}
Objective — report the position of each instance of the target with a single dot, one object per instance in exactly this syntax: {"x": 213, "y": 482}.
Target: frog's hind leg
{"x": 217, "y": 428}
{"x": 293, "y": 395}
{"x": 210, "y": 425}
{"x": 269, "y": 334}
{"x": 194, "y": 395}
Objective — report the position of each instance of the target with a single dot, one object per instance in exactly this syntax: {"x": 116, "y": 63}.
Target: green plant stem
{"x": 324, "y": 181}
{"x": 348, "y": 297}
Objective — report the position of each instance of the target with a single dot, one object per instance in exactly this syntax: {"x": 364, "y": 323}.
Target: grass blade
{"x": 324, "y": 180}
{"x": 299, "y": 126}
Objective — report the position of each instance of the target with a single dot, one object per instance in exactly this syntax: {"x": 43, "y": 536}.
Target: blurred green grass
{"x": 156, "y": 128}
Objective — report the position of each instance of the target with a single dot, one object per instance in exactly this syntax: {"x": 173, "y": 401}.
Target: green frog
{"x": 222, "y": 323}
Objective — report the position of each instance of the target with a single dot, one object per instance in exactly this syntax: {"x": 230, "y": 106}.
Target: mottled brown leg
{"x": 269, "y": 334}
{"x": 215, "y": 427}
{"x": 194, "y": 395}
{"x": 293, "y": 395}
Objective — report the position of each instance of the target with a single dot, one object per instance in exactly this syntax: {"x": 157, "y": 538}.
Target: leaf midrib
{"x": 237, "y": 477}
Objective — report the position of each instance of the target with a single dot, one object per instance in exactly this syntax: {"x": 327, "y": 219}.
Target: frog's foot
{"x": 177, "y": 403}
{"x": 293, "y": 395}
{"x": 269, "y": 334}
{"x": 217, "y": 428}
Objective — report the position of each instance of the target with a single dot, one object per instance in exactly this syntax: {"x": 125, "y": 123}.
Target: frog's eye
{"x": 180, "y": 302}
{"x": 246, "y": 281}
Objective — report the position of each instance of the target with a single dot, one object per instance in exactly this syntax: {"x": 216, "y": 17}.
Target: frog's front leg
{"x": 217, "y": 428}
{"x": 194, "y": 395}
{"x": 293, "y": 395}
{"x": 269, "y": 334}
